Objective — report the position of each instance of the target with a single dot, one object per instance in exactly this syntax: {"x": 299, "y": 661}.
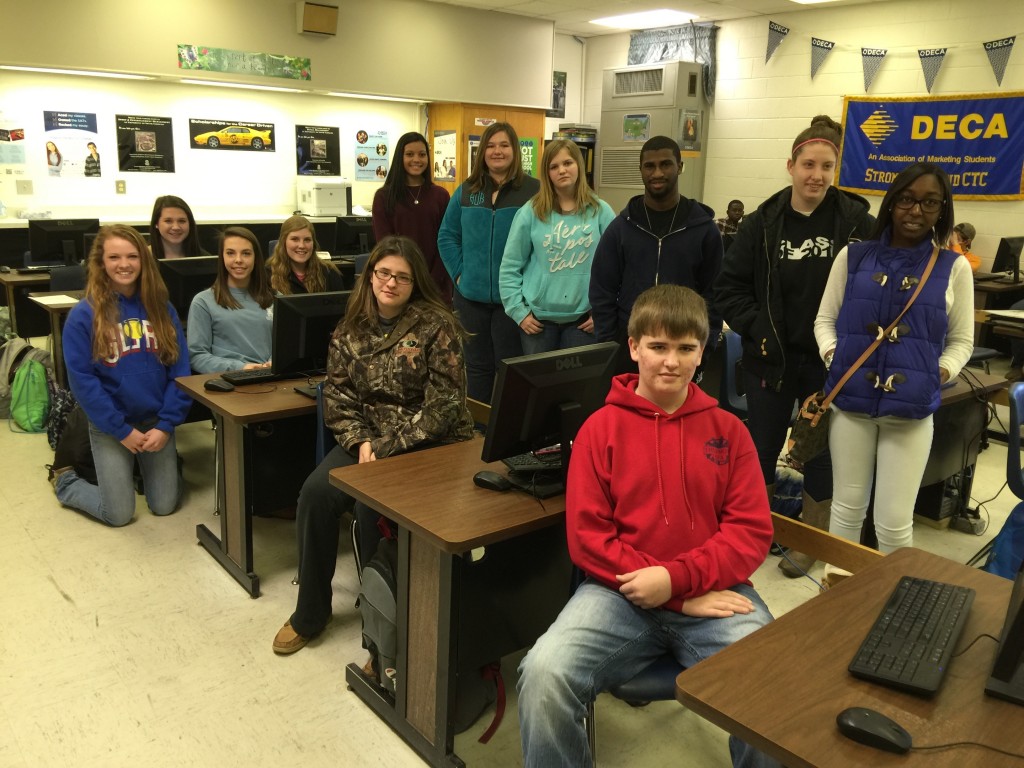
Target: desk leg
{"x": 233, "y": 550}
{"x": 56, "y": 331}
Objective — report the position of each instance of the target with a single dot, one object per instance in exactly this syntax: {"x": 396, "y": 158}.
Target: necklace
{"x": 670, "y": 224}
{"x": 416, "y": 197}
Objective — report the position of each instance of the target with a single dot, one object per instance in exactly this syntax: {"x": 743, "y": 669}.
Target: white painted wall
{"x": 760, "y": 107}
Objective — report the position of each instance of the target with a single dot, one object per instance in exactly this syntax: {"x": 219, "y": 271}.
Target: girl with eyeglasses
{"x": 396, "y": 382}
{"x": 768, "y": 291}
{"x": 882, "y": 417}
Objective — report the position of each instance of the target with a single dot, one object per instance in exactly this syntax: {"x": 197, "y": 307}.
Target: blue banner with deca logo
{"x": 978, "y": 141}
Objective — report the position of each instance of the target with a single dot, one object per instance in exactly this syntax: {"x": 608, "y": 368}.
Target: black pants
{"x": 769, "y": 413}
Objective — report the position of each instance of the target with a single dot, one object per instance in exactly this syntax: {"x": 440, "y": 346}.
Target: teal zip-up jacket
{"x": 473, "y": 234}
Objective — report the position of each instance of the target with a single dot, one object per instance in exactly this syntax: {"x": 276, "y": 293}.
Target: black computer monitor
{"x": 354, "y": 234}
{"x": 185, "y": 278}
{"x": 303, "y": 325}
{"x": 1007, "y": 258}
{"x": 542, "y": 400}
{"x": 58, "y": 242}
{"x": 1007, "y": 680}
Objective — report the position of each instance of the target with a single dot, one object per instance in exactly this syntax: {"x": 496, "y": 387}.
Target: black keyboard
{"x": 531, "y": 462}
{"x": 34, "y": 270}
{"x": 251, "y": 376}
{"x": 910, "y": 645}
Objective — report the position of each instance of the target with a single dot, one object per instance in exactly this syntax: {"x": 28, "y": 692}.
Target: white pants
{"x": 893, "y": 452}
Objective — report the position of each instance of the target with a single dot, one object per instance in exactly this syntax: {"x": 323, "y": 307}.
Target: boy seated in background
{"x": 667, "y": 517}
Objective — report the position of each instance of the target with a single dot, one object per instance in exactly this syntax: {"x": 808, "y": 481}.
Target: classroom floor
{"x": 131, "y": 647}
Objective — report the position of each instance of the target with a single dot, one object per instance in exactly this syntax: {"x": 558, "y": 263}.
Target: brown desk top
{"x": 781, "y": 688}
{"x": 18, "y": 278}
{"x": 251, "y": 402}
{"x": 73, "y": 298}
{"x": 992, "y": 286}
{"x": 980, "y": 383}
{"x": 432, "y": 494}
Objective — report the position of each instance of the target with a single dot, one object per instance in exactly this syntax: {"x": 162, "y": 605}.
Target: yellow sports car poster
{"x": 223, "y": 134}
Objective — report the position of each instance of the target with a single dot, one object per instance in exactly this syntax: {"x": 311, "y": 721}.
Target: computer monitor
{"x": 542, "y": 400}
{"x": 354, "y": 234}
{"x": 1007, "y": 680}
{"x": 303, "y": 325}
{"x": 1007, "y": 258}
{"x": 185, "y": 278}
{"x": 58, "y": 242}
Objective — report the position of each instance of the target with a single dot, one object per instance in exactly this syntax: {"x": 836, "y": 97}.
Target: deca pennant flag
{"x": 776, "y": 34}
{"x": 820, "y": 49}
{"x": 872, "y": 59}
{"x": 998, "y": 55}
{"x": 931, "y": 63}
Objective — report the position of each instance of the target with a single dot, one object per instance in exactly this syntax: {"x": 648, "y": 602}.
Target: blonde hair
{"x": 281, "y": 266}
{"x": 546, "y": 199}
{"x": 100, "y": 293}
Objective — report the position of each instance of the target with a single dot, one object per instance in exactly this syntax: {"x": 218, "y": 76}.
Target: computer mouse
{"x": 873, "y": 729}
{"x": 218, "y": 385}
{"x": 492, "y": 481}
{"x": 4, "y": 268}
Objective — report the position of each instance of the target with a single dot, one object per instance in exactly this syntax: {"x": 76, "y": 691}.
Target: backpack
{"x": 377, "y": 603}
{"x": 62, "y": 402}
{"x": 1007, "y": 549}
{"x": 30, "y": 399}
{"x": 12, "y": 354}
{"x": 74, "y": 448}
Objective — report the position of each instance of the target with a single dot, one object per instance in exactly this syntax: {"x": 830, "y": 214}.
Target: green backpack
{"x": 30, "y": 399}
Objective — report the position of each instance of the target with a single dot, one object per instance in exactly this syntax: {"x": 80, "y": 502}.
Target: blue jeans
{"x": 555, "y": 336}
{"x": 495, "y": 338}
{"x": 113, "y": 499}
{"x": 599, "y": 640}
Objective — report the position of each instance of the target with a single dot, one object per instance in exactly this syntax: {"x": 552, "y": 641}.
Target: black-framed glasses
{"x": 384, "y": 276}
{"x": 928, "y": 205}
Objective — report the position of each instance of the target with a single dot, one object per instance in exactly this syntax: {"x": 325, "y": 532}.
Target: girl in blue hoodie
{"x": 123, "y": 348}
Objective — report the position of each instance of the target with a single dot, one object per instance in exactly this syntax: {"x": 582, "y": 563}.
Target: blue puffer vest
{"x": 901, "y": 378}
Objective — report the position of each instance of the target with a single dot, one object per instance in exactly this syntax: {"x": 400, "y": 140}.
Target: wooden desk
{"x": 456, "y": 612}
{"x": 58, "y": 313}
{"x": 16, "y": 288}
{"x": 234, "y": 412}
{"x": 781, "y": 687}
{"x": 992, "y": 295}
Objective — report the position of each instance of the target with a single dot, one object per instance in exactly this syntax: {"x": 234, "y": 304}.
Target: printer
{"x": 322, "y": 198}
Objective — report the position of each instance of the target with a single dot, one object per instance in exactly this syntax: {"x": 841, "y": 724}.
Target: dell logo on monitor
{"x": 568, "y": 363}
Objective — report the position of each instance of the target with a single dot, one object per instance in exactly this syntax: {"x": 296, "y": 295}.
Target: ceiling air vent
{"x": 621, "y": 165}
{"x": 639, "y": 82}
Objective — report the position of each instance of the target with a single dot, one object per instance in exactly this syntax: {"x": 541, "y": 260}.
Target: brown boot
{"x": 816, "y": 514}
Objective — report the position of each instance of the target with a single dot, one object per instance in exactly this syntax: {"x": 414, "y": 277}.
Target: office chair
{"x": 325, "y": 442}
{"x": 360, "y": 263}
{"x": 980, "y": 357}
{"x": 67, "y": 278}
{"x": 730, "y": 398}
{"x": 270, "y": 248}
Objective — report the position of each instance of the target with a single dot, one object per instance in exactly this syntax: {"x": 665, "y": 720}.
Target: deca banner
{"x": 977, "y": 140}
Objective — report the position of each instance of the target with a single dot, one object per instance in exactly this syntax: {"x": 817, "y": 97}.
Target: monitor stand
{"x": 544, "y": 485}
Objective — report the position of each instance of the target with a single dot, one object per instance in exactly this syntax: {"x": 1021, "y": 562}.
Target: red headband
{"x": 826, "y": 141}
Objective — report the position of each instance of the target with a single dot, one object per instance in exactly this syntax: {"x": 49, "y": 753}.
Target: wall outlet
{"x": 120, "y": 187}
{"x": 23, "y": 186}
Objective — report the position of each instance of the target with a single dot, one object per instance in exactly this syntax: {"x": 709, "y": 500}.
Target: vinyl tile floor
{"x": 131, "y": 647}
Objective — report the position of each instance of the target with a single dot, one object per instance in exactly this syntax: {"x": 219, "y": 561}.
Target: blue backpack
{"x": 1007, "y": 552}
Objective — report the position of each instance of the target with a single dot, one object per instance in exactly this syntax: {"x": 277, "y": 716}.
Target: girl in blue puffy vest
{"x": 882, "y": 422}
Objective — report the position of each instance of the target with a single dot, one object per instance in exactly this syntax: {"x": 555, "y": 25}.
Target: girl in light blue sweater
{"x": 545, "y": 271}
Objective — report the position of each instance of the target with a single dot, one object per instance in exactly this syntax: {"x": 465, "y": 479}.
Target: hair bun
{"x": 826, "y": 122}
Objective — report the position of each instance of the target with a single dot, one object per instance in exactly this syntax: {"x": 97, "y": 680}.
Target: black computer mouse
{"x": 218, "y": 385}
{"x": 492, "y": 481}
{"x": 866, "y": 726}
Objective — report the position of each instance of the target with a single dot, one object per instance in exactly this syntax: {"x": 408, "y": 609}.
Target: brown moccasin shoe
{"x": 288, "y": 640}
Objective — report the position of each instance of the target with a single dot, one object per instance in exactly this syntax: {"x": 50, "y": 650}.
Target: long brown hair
{"x": 259, "y": 282}
{"x": 546, "y": 199}
{"x": 100, "y": 293}
{"x": 362, "y": 305}
{"x": 281, "y": 266}
{"x": 477, "y": 177}
{"x": 190, "y": 245}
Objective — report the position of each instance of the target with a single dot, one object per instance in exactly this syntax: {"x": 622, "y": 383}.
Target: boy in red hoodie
{"x": 666, "y": 516}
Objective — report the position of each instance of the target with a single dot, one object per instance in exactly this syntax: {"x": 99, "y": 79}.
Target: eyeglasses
{"x": 384, "y": 276}
{"x": 928, "y": 205}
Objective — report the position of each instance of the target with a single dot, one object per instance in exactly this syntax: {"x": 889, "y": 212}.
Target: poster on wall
{"x": 636, "y": 127}
{"x": 72, "y": 144}
{"x": 211, "y": 59}
{"x": 689, "y": 142}
{"x": 528, "y": 150}
{"x": 12, "y": 146}
{"x": 371, "y": 155}
{"x": 557, "y": 95}
{"x": 474, "y": 147}
{"x": 317, "y": 150}
{"x": 144, "y": 144}
{"x": 444, "y": 155}
{"x": 231, "y": 135}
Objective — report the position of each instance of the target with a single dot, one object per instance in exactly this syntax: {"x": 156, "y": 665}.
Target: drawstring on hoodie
{"x": 661, "y": 483}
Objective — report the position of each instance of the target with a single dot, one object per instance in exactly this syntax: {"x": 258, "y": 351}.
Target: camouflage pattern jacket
{"x": 401, "y": 390}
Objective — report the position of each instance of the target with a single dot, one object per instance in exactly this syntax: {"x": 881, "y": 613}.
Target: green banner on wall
{"x": 528, "y": 148}
{"x": 209, "y": 59}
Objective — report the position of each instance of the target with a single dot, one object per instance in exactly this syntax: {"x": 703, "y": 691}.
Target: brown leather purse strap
{"x": 882, "y": 334}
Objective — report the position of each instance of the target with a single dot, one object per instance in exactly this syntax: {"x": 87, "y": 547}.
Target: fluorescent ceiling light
{"x": 811, "y": 2}
{"x": 646, "y": 19}
{"x": 81, "y": 72}
{"x": 219, "y": 84}
{"x": 376, "y": 98}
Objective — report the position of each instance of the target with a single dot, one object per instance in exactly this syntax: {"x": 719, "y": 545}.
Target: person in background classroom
{"x": 295, "y": 267}
{"x": 172, "y": 229}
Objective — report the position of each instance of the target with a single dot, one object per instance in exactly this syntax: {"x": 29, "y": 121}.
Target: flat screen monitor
{"x": 1007, "y": 258}
{"x": 542, "y": 400}
{"x": 57, "y": 242}
{"x": 1007, "y": 680}
{"x": 354, "y": 234}
{"x": 185, "y": 278}
{"x": 303, "y": 325}
{"x": 326, "y": 234}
